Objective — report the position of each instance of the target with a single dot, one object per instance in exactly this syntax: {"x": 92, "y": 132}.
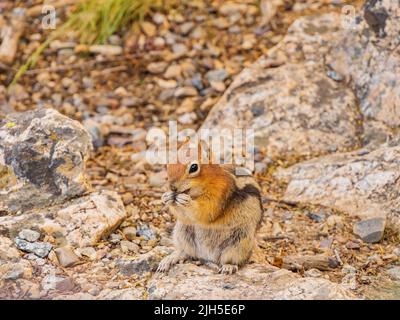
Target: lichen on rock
{"x": 42, "y": 159}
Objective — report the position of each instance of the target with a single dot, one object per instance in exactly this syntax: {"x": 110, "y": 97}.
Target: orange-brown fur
{"x": 217, "y": 184}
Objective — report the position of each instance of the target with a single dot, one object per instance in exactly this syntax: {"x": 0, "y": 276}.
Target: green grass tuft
{"x": 94, "y": 21}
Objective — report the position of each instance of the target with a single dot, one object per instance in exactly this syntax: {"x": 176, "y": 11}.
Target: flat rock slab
{"x": 80, "y": 222}
{"x": 42, "y": 159}
{"x": 259, "y": 282}
{"x": 361, "y": 183}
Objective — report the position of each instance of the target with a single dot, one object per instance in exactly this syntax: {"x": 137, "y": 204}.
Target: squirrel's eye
{"x": 193, "y": 168}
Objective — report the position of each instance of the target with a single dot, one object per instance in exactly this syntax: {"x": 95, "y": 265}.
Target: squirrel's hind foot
{"x": 212, "y": 265}
{"x": 228, "y": 269}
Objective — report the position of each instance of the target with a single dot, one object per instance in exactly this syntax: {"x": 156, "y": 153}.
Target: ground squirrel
{"x": 218, "y": 213}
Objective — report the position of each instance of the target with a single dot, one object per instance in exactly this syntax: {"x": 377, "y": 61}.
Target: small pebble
{"x": 127, "y": 246}
{"x": 370, "y": 230}
{"x": 66, "y": 256}
{"x": 129, "y": 233}
{"x": 29, "y": 235}
{"x": 156, "y": 67}
{"x": 145, "y": 231}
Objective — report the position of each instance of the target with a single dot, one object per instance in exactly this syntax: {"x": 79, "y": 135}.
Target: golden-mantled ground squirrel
{"x": 217, "y": 211}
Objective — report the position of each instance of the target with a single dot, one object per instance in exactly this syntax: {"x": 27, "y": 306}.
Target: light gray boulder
{"x": 42, "y": 159}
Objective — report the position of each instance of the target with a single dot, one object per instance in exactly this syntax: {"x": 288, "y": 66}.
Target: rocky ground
{"x": 83, "y": 222}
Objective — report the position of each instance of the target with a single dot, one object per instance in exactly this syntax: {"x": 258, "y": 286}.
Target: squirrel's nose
{"x": 173, "y": 187}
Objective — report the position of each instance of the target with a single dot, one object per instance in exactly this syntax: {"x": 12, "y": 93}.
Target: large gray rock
{"x": 259, "y": 282}
{"x": 295, "y": 110}
{"x": 364, "y": 55}
{"x": 369, "y": 56}
{"x": 299, "y": 97}
{"x": 362, "y": 183}
{"x": 42, "y": 159}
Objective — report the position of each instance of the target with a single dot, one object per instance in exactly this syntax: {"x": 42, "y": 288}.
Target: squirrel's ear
{"x": 184, "y": 150}
{"x": 228, "y": 167}
{"x": 189, "y": 150}
{"x": 209, "y": 155}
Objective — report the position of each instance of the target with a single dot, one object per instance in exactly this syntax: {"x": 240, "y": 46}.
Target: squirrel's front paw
{"x": 165, "y": 264}
{"x": 182, "y": 199}
{"x": 168, "y": 197}
{"x": 170, "y": 261}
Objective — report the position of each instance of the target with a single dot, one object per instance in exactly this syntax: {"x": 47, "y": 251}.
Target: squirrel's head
{"x": 195, "y": 174}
